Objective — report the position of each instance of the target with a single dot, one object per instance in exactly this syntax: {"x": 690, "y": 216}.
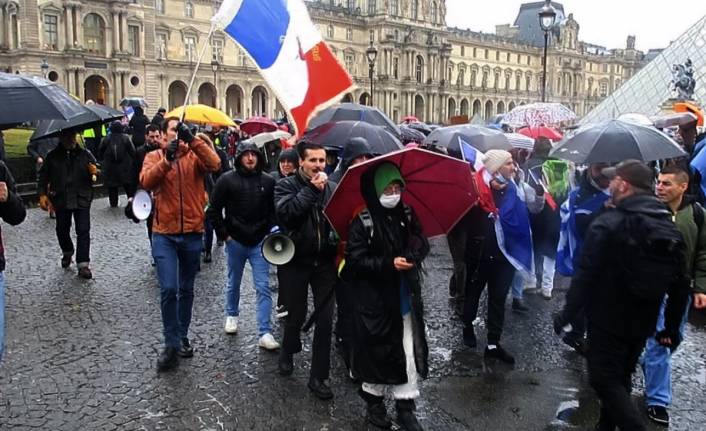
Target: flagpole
{"x": 196, "y": 69}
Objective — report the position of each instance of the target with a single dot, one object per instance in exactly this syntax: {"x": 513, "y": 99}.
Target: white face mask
{"x": 389, "y": 201}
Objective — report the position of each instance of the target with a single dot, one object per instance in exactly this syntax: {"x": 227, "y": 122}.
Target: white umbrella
{"x": 520, "y": 141}
{"x": 263, "y": 138}
{"x": 539, "y": 114}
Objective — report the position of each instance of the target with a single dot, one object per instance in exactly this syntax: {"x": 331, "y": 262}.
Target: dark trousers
{"x": 207, "y": 236}
{"x": 82, "y": 219}
{"x": 113, "y": 194}
{"x": 344, "y": 319}
{"x": 294, "y": 279}
{"x": 149, "y": 222}
{"x": 611, "y": 362}
{"x": 497, "y": 273}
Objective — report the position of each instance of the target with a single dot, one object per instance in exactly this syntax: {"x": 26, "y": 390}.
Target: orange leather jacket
{"x": 178, "y": 187}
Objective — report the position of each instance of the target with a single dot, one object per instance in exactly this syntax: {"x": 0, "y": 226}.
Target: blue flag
{"x": 512, "y": 228}
{"x": 471, "y": 155}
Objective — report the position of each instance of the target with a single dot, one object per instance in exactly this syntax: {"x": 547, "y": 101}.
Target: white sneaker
{"x": 546, "y": 294}
{"x": 231, "y": 325}
{"x": 267, "y": 342}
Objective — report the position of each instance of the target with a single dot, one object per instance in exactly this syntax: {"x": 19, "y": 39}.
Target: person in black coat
{"x": 66, "y": 181}
{"x": 210, "y": 181}
{"x": 383, "y": 264}
{"x": 138, "y": 126}
{"x": 117, "y": 153}
{"x": 356, "y": 150}
{"x": 158, "y": 117}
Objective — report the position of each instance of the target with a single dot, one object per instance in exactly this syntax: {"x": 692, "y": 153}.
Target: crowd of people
{"x": 633, "y": 253}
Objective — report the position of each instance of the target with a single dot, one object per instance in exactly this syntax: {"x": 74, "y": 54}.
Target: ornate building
{"x": 106, "y": 50}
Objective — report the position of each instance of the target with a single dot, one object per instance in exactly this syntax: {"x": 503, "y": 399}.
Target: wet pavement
{"x": 80, "y": 355}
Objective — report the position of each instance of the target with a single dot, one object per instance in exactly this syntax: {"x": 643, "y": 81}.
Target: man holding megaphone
{"x": 247, "y": 194}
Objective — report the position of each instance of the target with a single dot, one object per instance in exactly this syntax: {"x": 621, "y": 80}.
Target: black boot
{"x": 376, "y": 413}
{"x": 405, "y": 415}
{"x": 285, "y": 363}
{"x": 168, "y": 359}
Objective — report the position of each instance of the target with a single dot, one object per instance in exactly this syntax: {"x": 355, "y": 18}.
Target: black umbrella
{"x": 335, "y": 134}
{"x": 28, "y": 98}
{"x": 134, "y": 102}
{"x": 93, "y": 115}
{"x": 479, "y": 137}
{"x": 354, "y": 112}
{"x": 424, "y": 128}
{"x": 614, "y": 141}
{"x": 411, "y": 135}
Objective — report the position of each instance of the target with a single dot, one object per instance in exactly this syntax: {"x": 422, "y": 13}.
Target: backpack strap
{"x": 698, "y": 212}
{"x": 367, "y": 220}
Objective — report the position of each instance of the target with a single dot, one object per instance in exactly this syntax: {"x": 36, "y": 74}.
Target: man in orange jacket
{"x": 175, "y": 175}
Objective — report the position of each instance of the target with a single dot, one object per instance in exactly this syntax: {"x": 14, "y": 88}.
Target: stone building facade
{"x": 109, "y": 49}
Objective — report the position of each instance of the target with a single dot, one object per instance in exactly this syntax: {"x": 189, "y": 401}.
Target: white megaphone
{"x": 277, "y": 248}
{"x": 142, "y": 205}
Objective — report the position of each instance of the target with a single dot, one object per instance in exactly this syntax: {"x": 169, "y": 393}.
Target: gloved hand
{"x": 172, "y": 148}
{"x": 44, "y": 202}
{"x": 668, "y": 339}
{"x": 93, "y": 171}
{"x": 184, "y": 133}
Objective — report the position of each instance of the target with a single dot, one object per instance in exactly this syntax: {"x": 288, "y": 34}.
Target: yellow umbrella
{"x": 201, "y": 114}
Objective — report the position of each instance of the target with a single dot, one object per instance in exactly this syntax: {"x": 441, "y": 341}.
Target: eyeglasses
{"x": 393, "y": 189}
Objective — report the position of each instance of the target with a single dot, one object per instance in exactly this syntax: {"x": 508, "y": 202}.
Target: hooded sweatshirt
{"x": 355, "y": 147}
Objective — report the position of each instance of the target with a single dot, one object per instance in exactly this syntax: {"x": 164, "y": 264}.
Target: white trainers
{"x": 546, "y": 294}
{"x": 231, "y": 325}
{"x": 267, "y": 342}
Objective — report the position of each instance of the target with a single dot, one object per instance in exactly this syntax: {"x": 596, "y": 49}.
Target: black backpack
{"x": 653, "y": 255}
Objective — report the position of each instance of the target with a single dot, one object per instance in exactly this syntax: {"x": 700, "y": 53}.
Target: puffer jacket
{"x": 178, "y": 187}
{"x": 65, "y": 177}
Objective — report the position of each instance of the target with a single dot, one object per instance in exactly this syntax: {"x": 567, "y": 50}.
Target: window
{"x": 507, "y": 82}
{"x": 419, "y": 69}
{"x": 394, "y": 7}
{"x": 415, "y": 9}
{"x": 242, "y": 58}
{"x": 329, "y": 32}
{"x": 473, "y": 78}
{"x": 159, "y": 6}
{"x": 497, "y": 55}
{"x": 133, "y": 40}
{"x": 461, "y": 77}
{"x": 350, "y": 63}
{"x": 604, "y": 89}
{"x": 508, "y": 57}
{"x": 189, "y": 9}
{"x": 527, "y": 82}
{"x": 484, "y": 82}
{"x": 93, "y": 34}
{"x": 519, "y": 58}
{"x": 349, "y": 34}
{"x": 372, "y": 35}
{"x": 160, "y": 46}
{"x": 217, "y": 50}
{"x": 496, "y": 80}
{"x": 372, "y": 7}
{"x": 434, "y": 13}
{"x": 485, "y": 54}
{"x": 51, "y": 32}
{"x": 395, "y": 67}
{"x": 605, "y": 68}
{"x": 517, "y": 82}
{"x": 190, "y": 47}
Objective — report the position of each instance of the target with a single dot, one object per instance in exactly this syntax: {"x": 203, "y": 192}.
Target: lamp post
{"x": 214, "y": 66}
{"x": 372, "y": 55}
{"x": 45, "y": 67}
{"x": 547, "y": 17}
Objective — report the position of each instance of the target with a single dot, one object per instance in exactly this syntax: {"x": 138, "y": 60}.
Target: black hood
{"x": 645, "y": 203}
{"x": 244, "y": 146}
{"x": 355, "y": 147}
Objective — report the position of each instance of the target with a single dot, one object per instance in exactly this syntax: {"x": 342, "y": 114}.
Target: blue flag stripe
{"x": 259, "y": 27}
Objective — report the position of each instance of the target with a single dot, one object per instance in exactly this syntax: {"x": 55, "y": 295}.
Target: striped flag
{"x": 512, "y": 230}
{"x": 471, "y": 155}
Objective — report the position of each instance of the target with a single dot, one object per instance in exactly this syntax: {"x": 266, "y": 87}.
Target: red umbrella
{"x": 541, "y": 132}
{"x": 410, "y": 119}
{"x": 440, "y": 188}
{"x": 256, "y": 125}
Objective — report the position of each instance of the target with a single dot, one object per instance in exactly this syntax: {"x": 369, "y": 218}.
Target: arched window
{"x": 434, "y": 13}
{"x": 189, "y": 9}
{"x": 94, "y": 33}
{"x": 415, "y": 9}
{"x": 461, "y": 77}
{"x": 372, "y": 7}
{"x": 394, "y": 7}
{"x": 419, "y": 69}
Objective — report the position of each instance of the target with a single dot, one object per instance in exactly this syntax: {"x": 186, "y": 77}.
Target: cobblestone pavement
{"x": 81, "y": 354}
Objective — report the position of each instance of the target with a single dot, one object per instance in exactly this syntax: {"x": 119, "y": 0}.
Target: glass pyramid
{"x": 649, "y": 88}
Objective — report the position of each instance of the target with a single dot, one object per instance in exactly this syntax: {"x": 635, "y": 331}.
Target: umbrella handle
{"x": 196, "y": 69}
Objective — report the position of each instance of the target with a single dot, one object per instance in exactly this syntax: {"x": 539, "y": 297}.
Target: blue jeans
{"x": 518, "y": 284}
{"x": 656, "y": 364}
{"x": 237, "y": 254}
{"x": 177, "y": 259}
{"x": 2, "y": 313}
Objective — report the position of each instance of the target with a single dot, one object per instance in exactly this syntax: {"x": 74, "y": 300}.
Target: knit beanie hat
{"x": 494, "y": 159}
{"x": 384, "y": 175}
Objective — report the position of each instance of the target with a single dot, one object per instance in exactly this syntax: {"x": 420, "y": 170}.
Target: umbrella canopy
{"x": 479, "y": 137}
{"x": 440, "y": 188}
{"x": 520, "y": 141}
{"x": 134, "y": 102}
{"x": 263, "y": 138}
{"x": 541, "y": 132}
{"x": 409, "y": 134}
{"x": 422, "y": 127}
{"x": 676, "y": 119}
{"x": 335, "y": 134}
{"x": 354, "y": 112}
{"x": 538, "y": 114}
{"x": 28, "y": 98}
{"x": 93, "y": 115}
{"x": 410, "y": 119}
{"x": 614, "y": 141}
{"x": 201, "y": 114}
{"x": 636, "y": 118}
{"x": 256, "y": 125}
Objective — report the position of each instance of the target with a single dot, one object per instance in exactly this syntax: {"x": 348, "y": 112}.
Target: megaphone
{"x": 277, "y": 248}
{"x": 142, "y": 205}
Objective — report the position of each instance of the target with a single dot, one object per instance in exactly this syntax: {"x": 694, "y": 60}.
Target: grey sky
{"x": 603, "y": 22}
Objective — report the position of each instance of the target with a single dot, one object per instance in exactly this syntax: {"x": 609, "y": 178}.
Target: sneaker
{"x": 519, "y": 305}
{"x": 185, "y": 350}
{"x": 168, "y": 359}
{"x": 658, "y": 414}
{"x": 499, "y": 353}
{"x": 281, "y": 312}
{"x": 267, "y": 342}
{"x": 546, "y": 294}
{"x": 207, "y": 257}
{"x": 66, "y": 261}
{"x": 320, "y": 389}
{"x": 231, "y": 325}
{"x": 85, "y": 272}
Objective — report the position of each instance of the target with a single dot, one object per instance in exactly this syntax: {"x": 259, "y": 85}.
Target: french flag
{"x": 298, "y": 66}
{"x": 471, "y": 155}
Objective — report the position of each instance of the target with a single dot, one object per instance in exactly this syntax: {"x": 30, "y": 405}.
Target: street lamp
{"x": 547, "y": 17}
{"x": 372, "y": 55}
{"x": 214, "y": 67}
{"x": 45, "y": 67}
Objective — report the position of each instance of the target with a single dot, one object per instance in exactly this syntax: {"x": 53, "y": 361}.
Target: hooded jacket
{"x": 138, "y": 126}
{"x": 117, "y": 155}
{"x": 248, "y": 199}
{"x": 378, "y": 354}
{"x": 355, "y": 147}
{"x": 598, "y": 284}
{"x": 287, "y": 154}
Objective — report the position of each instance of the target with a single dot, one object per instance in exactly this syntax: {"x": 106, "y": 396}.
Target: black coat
{"x": 12, "y": 211}
{"x": 545, "y": 224}
{"x": 66, "y": 179}
{"x": 598, "y": 285}
{"x": 299, "y": 212}
{"x": 117, "y": 154}
{"x": 378, "y": 354}
{"x": 138, "y": 128}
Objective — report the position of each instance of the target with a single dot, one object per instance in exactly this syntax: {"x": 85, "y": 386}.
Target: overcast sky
{"x": 603, "y": 22}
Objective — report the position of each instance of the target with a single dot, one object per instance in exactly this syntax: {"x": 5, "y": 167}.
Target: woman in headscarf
{"x": 384, "y": 253}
